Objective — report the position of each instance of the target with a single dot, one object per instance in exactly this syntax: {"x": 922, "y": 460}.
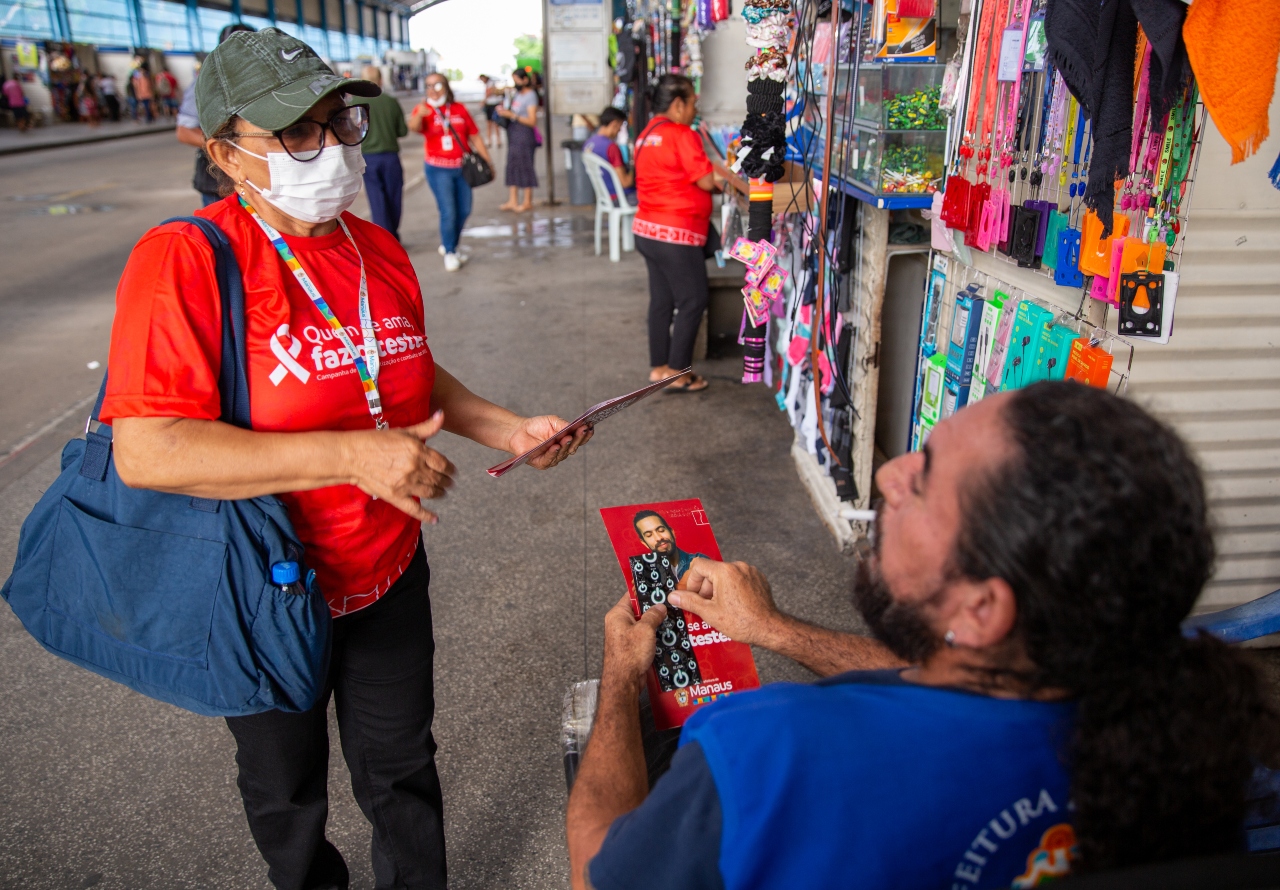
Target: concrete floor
{"x": 101, "y": 787}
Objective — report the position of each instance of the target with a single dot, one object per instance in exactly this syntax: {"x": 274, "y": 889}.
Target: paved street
{"x": 100, "y": 787}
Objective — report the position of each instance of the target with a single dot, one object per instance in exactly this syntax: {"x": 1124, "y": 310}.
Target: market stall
{"x": 979, "y": 230}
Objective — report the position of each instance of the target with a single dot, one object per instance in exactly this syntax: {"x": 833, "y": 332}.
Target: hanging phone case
{"x": 1141, "y": 303}
{"x": 1049, "y": 254}
{"x": 1044, "y": 208}
{"x": 1067, "y": 271}
{"x": 1026, "y": 228}
{"x": 955, "y": 202}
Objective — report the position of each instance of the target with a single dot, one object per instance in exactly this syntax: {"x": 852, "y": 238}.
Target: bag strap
{"x": 466, "y": 148}
{"x": 656, "y": 124}
{"x": 233, "y": 383}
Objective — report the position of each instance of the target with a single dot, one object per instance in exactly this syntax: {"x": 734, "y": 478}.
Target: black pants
{"x": 381, "y": 678}
{"x": 677, "y": 286}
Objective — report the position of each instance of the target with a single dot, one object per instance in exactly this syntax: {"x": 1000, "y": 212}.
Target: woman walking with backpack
{"x": 448, "y": 132}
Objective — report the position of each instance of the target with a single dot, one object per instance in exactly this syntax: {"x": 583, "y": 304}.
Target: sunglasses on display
{"x": 305, "y": 140}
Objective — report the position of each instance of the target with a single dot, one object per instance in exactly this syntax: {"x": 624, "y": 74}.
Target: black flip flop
{"x": 691, "y": 386}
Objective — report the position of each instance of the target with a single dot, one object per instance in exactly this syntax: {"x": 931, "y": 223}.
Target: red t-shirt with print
{"x": 441, "y": 147}
{"x": 166, "y": 346}
{"x": 670, "y": 159}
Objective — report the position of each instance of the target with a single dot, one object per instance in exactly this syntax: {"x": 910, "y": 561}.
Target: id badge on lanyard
{"x": 446, "y": 141}
{"x": 366, "y": 359}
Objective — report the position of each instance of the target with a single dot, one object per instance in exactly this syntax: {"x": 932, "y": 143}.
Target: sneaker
{"x": 453, "y": 262}
{"x": 440, "y": 250}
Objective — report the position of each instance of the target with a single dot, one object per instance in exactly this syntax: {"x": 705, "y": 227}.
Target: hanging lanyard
{"x": 368, "y": 372}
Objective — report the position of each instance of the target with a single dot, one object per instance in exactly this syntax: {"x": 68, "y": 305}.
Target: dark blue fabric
{"x": 160, "y": 592}
{"x": 681, "y": 819}
{"x": 862, "y": 781}
{"x": 384, "y": 185}
{"x": 453, "y": 197}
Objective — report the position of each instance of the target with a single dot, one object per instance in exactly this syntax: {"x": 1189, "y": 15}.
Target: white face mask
{"x": 316, "y": 191}
{"x": 435, "y": 101}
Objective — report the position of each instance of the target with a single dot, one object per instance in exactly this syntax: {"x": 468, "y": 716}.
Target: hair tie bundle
{"x": 763, "y": 146}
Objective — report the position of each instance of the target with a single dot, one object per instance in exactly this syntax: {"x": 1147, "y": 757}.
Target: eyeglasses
{"x": 435, "y": 86}
{"x": 305, "y": 140}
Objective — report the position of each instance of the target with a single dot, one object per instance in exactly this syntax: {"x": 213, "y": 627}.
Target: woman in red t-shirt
{"x": 447, "y": 129}
{"x": 351, "y": 470}
{"x": 674, "y": 182}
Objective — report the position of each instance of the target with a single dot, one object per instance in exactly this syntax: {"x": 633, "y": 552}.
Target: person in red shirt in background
{"x": 674, "y": 182}
{"x": 444, "y": 125}
{"x": 351, "y": 470}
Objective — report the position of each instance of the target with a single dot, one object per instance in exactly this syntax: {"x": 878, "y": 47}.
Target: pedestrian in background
{"x": 169, "y": 93}
{"x": 522, "y": 142}
{"x": 143, "y": 92}
{"x": 674, "y": 182}
{"x": 110, "y": 97}
{"x": 493, "y": 95}
{"x": 383, "y": 175}
{"x": 17, "y": 102}
{"x": 447, "y": 130}
{"x": 208, "y": 179}
{"x": 87, "y": 104}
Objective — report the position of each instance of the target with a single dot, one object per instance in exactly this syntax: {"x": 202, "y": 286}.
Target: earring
{"x": 950, "y": 638}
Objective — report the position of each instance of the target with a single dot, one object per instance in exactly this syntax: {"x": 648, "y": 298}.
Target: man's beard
{"x": 900, "y": 626}
{"x": 665, "y": 547}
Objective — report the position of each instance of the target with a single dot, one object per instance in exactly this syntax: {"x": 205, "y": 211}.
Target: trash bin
{"x": 580, "y": 190}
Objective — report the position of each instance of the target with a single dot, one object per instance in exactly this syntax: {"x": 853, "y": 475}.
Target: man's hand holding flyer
{"x": 694, "y": 664}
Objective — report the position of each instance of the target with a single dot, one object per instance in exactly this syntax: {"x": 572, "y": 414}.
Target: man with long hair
{"x": 1035, "y": 708}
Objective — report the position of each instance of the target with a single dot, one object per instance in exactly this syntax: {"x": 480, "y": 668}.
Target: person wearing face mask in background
{"x": 447, "y": 132}
{"x": 352, "y": 469}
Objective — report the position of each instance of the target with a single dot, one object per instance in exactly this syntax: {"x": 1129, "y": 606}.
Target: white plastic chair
{"x": 620, "y": 213}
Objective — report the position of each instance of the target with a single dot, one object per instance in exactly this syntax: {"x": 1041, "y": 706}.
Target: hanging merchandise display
{"x": 1074, "y": 162}
{"x": 761, "y": 155}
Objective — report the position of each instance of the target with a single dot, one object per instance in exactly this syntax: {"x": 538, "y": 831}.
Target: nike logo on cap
{"x": 290, "y": 56}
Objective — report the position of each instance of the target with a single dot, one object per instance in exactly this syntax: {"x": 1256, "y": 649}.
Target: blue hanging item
{"x": 174, "y": 596}
{"x": 1275, "y": 173}
{"x": 1067, "y": 271}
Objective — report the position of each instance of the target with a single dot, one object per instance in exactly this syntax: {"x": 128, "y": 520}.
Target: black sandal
{"x": 695, "y": 384}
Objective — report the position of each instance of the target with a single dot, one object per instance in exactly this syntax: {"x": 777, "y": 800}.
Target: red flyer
{"x": 695, "y": 664}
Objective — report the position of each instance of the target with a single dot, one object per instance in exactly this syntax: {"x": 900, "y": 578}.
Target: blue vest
{"x": 860, "y": 781}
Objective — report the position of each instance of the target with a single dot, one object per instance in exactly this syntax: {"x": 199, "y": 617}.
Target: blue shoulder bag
{"x": 168, "y": 594}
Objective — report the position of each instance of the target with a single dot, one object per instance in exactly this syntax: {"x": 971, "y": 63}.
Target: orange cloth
{"x": 1233, "y": 46}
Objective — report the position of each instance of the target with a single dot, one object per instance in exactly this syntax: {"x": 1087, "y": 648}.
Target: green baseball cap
{"x": 268, "y": 78}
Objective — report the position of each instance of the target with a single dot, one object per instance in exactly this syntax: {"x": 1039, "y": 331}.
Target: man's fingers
{"x": 654, "y": 617}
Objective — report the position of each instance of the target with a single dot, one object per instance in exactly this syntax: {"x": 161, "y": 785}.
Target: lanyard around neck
{"x": 367, "y": 365}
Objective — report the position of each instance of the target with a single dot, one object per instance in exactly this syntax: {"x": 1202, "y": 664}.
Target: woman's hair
{"x": 227, "y": 131}
{"x": 448, "y": 90}
{"x": 1099, "y": 524}
{"x": 667, "y": 88}
{"x": 521, "y": 75}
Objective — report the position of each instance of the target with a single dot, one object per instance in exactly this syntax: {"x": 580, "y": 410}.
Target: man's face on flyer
{"x": 656, "y": 536}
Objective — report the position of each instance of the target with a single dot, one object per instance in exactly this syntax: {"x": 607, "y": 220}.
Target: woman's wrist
{"x": 515, "y": 423}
